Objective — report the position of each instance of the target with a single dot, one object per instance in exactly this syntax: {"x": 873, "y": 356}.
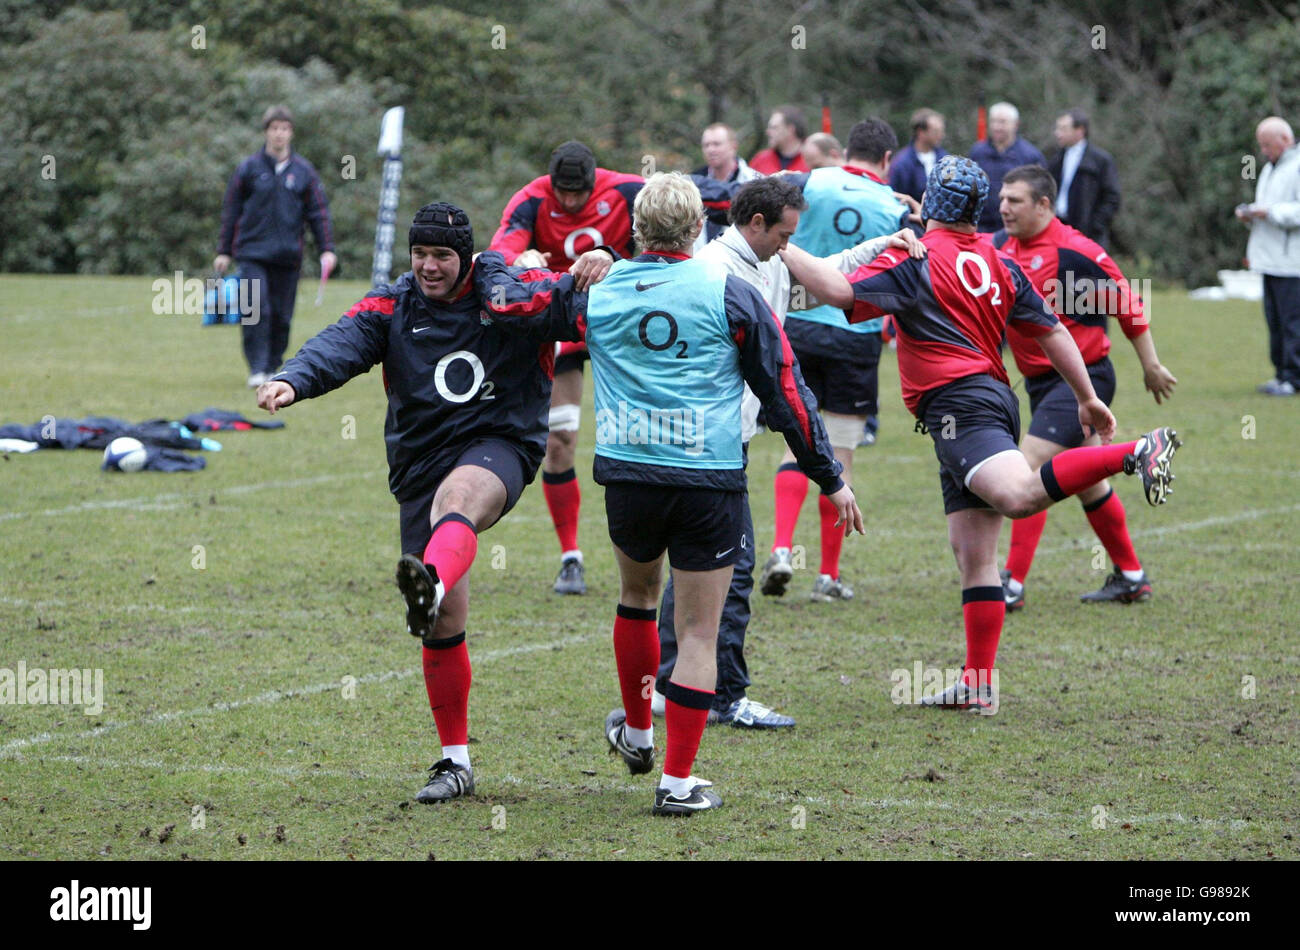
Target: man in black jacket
{"x": 468, "y": 399}
{"x": 271, "y": 197}
{"x": 1086, "y": 180}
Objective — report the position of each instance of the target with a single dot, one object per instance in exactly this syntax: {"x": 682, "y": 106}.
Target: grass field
{"x": 1162, "y": 730}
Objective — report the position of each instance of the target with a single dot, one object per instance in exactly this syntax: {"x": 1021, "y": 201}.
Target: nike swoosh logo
{"x": 725, "y": 553}
{"x": 862, "y": 403}
{"x": 418, "y": 329}
{"x": 851, "y": 188}
{"x": 641, "y": 286}
{"x": 557, "y": 214}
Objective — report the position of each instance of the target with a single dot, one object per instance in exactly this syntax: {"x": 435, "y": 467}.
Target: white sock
{"x": 681, "y": 787}
{"x": 1015, "y": 586}
{"x": 639, "y": 738}
{"x": 457, "y": 753}
{"x": 1134, "y": 575}
{"x": 575, "y": 554}
{"x": 785, "y": 551}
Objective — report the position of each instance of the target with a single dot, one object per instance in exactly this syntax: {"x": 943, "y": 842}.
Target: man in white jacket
{"x": 765, "y": 213}
{"x": 1274, "y": 218}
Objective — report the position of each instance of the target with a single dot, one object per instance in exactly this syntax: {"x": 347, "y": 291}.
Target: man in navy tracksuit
{"x": 271, "y": 196}
{"x": 468, "y": 400}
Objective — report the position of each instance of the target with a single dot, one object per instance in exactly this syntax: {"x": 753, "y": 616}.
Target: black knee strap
{"x": 445, "y": 643}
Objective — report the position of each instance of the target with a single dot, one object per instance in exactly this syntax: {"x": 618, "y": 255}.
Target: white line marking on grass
{"x": 1250, "y": 514}
{"x": 174, "y": 500}
{"x": 297, "y": 773}
{"x": 14, "y": 746}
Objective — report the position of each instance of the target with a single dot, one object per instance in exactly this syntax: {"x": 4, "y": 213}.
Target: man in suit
{"x": 1086, "y": 180}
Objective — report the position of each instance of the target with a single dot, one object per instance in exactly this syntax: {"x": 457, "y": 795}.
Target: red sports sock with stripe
{"x": 832, "y": 538}
{"x": 983, "y": 610}
{"x": 1075, "y": 469}
{"x": 686, "y": 713}
{"x": 452, "y": 548}
{"x": 1025, "y": 533}
{"x": 791, "y": 488}
{"x": 636, "y": 649}
{"x": 564, "y": 499}
{"x": 1106, "y": 515}
{"x": 447, "y": 677}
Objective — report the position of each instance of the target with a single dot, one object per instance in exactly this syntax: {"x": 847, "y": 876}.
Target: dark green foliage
{"x": 146, "y": 108}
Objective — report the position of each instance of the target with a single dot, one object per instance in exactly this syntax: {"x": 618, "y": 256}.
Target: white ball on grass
{"x": 125, "y": 455}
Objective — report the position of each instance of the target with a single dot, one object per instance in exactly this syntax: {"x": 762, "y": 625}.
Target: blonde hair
{"x": 667, "y": 213}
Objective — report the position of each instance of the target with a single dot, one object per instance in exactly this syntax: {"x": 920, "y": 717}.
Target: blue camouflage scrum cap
{"x": 954, "y": 191}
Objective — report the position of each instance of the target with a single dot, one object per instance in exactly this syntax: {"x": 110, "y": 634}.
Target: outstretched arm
{"x": 770, "y": 369}
{"x": 342, "y": 350}
{"x": 819, "y": 276}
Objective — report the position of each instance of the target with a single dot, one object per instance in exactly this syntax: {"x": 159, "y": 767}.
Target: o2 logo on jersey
{"x": 847, "y": 214}
{"x": 986, "y": 283}
{"x": 571, "y": 242}
{"x": 478, "y": 387}
{"x": 650, "y": 325}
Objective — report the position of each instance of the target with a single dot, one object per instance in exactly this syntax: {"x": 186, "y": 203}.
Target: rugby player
{"x": 549, "y": 223}
{"x": 673, "y": 340}
{"x": 465, "y": 432}
{"x": 950, "y": 311}
{"x": 1069, "y": 270}
{"x": 847, "y": 204}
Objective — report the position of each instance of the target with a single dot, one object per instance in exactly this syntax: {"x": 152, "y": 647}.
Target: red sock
{"x": 791, "y": 489}
{"x": 447, "y": 677}
{"x": 1025, "y": 533}
{"x": 1107, "y": 519}
{"x": 832, "y": 538}
{"x": 983, "y": 609}
{"x": 1075, "y": 469}
{"x": 452, "y": 548}
{"x": 564, "y": 499}
{"x": 636, "y": 649}
{"x": 686, "y": 714}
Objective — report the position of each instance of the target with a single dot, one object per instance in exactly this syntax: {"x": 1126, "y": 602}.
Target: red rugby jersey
{"x": 950, "y": 308}
{"x": 1081, "y": 284}
{"x": 533, "y": 218}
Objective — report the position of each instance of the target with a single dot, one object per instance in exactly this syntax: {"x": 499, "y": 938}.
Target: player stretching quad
{"x": 673, "y": 340}
{"x": 1064, "y": 266}
{"x": 466, "y": 429}
{"x": 951, "y": 309}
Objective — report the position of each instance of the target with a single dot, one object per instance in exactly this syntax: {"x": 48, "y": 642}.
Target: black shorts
{"x": 701, "y": 528}
{"x": 570, "y": 355}
{"x": 502, "y": 458}
{"x": 841, "y": 367}
{"x": 970, "y": 420}
{"x": 1054, "y": 408}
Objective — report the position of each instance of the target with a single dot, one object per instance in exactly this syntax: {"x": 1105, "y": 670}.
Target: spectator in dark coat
{"x": 908, "y": 171}
{"x": 1086, "y": 180}
{"x": 1001, "y": 152}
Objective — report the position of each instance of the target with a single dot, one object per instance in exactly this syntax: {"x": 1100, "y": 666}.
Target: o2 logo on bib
{"x": 478, "y": 386}
{"x": 571, "y": 242}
